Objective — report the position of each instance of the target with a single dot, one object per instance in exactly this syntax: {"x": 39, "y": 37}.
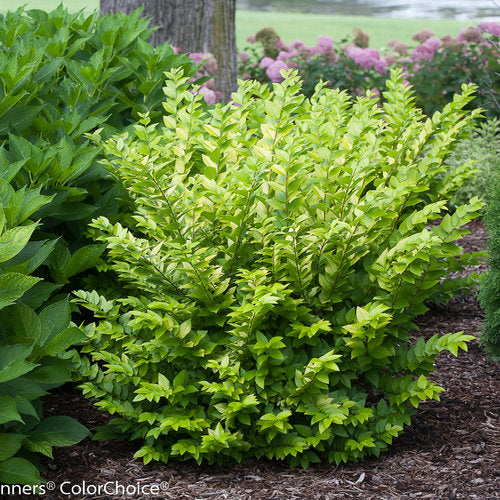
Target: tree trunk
{"x": 193, "y": 26}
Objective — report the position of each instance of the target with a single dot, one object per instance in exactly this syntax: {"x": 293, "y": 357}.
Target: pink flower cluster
{"x": 285, "y": 58}
{"x": 208, "y": 66}
{"x": 490, "y": 27}
{"x": 423, "y": 35}
{"x": 426, "y": 50}
{"x": 208, "y": 60}
{"x": 273, "y": 68}
{"x": 450, "y": 42}
{"x": 367, "y": 58}
{"x": 399, "y": 47}
{"x": 470, "y": 35}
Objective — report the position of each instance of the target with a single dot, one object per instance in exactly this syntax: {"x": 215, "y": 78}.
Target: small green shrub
{"x": 279, "y": 251}
{"x": 32, "y": 362}
{"x": 483, "y": 148}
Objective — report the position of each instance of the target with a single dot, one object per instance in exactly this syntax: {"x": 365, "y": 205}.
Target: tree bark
{"x": 193, "y": 26}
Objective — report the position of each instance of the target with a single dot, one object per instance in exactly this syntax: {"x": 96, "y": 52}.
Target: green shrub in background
{"x": 279, "y": 251}
{"x": 61, "y": 75}
{"x": 490, "y": 289}
{"x": 483, "y": 148}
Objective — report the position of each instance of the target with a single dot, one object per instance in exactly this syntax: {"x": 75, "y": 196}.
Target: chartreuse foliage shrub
{"x": 33, "y": 357}
{"x": 279, "y": 252}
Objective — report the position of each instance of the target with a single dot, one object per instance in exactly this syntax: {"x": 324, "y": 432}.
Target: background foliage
{"x": 470, "y": 57}
{"x": 490, "y": 290}
{"x": 483, "y": 148}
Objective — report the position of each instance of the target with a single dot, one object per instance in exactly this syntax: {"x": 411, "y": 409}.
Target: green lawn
{"x": 306, "y": 27}
{"x": 73, "y": 5}
{"x": 292, "y": 25}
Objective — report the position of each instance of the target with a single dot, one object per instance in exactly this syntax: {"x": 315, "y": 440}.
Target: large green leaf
{"x": 22, "y": 323}
{"x": 25, "y": 407}
{"x": 19, "y": 471}
{"x": 39, "y": 294}
{"x": 18, "y": 119}
{"x": 17, "y": 238}
{"x": 8, "y": 410}
{"x": 32, "y": 201}
{"x": 31, "y": 257}
{"x": 9, "y": 445}
{"x": 62, "y": 430}
{"x": 82, "y": 259}
{"x": 13, "y": 362}
{"x": 54, "y": 318}
{"x": 6, "y": 192}
{"x": 38, "y": 443}
{"x": 29, "y": 389}
{"x": 70, "y": 211}
{"x": 61, "y": 341}
{"x": 52, "y": 375}
{"x": 41, "y": 255}
{"x": 8, "y": 169}
{"x": 13, "y": 285}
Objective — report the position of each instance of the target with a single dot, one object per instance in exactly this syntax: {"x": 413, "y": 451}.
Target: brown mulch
{"x": 451, "y": 451}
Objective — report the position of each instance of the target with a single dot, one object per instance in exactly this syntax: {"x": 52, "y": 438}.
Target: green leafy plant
{"x": 279, "y": 250}
{"x": 490, "y": 287}
{"x": 483, "y": 148}
{"x": 31, "y": 363}
{"x": 33, "y": 347}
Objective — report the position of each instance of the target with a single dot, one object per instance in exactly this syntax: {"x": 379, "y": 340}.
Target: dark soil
{"x": 450, "y": 452}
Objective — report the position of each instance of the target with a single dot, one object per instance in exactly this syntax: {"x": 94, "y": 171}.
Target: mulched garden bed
{"x": 450, "y": 452}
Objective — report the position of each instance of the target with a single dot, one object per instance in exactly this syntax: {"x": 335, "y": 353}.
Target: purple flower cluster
{"x": 208, "y": 67}
{"x": 426, "y": 50}
{"x": 367, "y": 58}
{"x": 490, "y": 27}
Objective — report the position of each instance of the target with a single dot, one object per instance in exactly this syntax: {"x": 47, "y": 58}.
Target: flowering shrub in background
{"x": 471, "y": 56}
{"x": 207, "y": 67}
{"x": 350, "y": 67}
{"x": 204, "y": 76}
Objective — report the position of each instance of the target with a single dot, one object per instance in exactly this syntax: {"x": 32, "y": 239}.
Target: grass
{"x": 292, "y": 25}
{"x": 72, "y": 5}
{"x": 306, "y": 27}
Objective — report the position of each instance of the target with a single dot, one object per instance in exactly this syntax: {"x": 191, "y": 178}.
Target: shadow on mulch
{"x": 450, "y": 452}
